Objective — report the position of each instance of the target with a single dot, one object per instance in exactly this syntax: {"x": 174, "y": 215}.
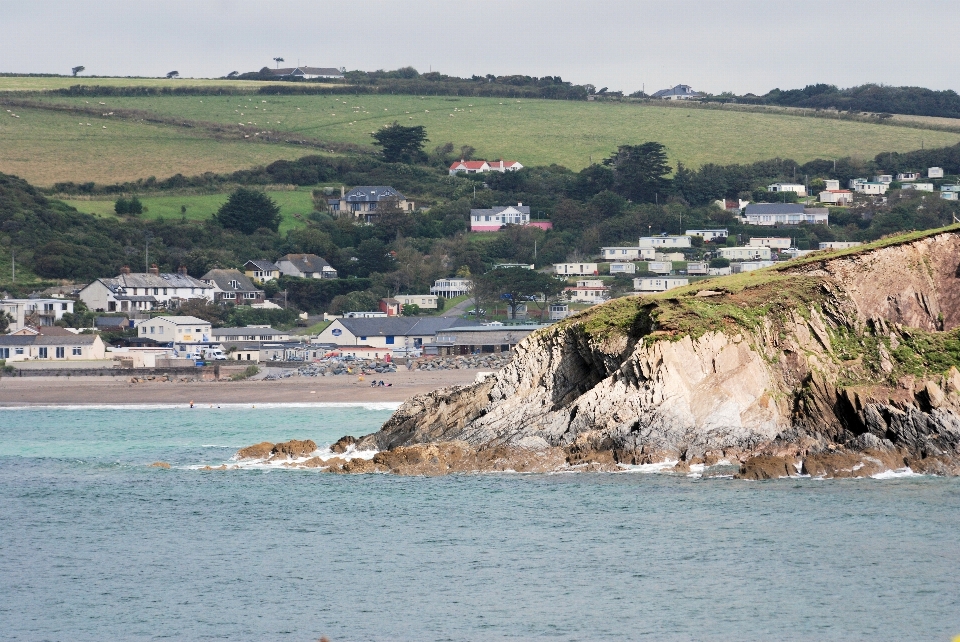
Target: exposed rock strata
{"x": 836, "y": 361}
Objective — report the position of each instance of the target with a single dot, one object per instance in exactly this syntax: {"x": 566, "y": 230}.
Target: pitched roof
{"x": 263, "y": 265}
{"x": 306, "y": 262}
{"x": 72, "y": 340}
{"x": 177, "y": 320}
{"x": 522, "y": 209}
{"x": 309, "y": 71}
{"x": 372, "y": 194}
{"x": 401, "y": 326}
{"x": 678, "y": 90}
{"x": 468, "y": 164}
{"x": 223, "y": 278}
{"x": 147, "y": 280}
{"x": 775, "y": 208}
{"x": 242, "y": 332}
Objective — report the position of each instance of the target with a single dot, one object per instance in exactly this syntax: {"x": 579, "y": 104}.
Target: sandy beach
{"x": 25, "y": 391}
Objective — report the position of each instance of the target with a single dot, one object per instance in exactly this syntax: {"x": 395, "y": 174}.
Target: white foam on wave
{"x": 287, "y": 464}
{"x": 896, "y": 474}
{"x": 649, "y": 468}
{"x": 365, "y": 405}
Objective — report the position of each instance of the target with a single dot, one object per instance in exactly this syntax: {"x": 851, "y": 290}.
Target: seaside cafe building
{"x": 394, "y": 333}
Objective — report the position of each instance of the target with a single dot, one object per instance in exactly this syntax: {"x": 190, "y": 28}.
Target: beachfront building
{"x": 451, "y": 288}
{"x": 664, "y": 242}
{"x": 179, "y": 329}
{"x": 658, "y": 284}
{"x": 478, "y": 339}
{"x": 745, "y": 252}
{"x": 250, "y": 333}
{"x": 388, "y": 332}
{"x": 261, "y": 270}
{"x": 41, "y": 347}
{"x": 36, "y": 312}
{"x": 559, "y": 311}
{"x": 141, "y": 292}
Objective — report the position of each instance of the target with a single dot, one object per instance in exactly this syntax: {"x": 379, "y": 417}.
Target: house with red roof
{"x": 480, "y": 166}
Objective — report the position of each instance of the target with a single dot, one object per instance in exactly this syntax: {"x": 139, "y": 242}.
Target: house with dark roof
{"x": 40, "y": 347}
{"x": 133, "y": 292}
{"x": 680, "y": 92}
{"x": 388, "y": 332}
{"x": 306, "y": 266}
{"x": 364, "y": 201}
{"x": 261, "y": 270}
{"x": 232, "y": 286}
{"x": 308, "y": 73}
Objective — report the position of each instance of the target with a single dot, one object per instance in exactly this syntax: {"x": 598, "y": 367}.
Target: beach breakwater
{"x": 839, "y": 365}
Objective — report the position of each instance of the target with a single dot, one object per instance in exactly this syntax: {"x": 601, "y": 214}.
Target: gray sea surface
{"x": 97, "y": 545}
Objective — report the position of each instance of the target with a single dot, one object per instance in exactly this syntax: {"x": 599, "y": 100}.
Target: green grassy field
{"x": 25, "y": 83}
{"x": 540, "y": 132}
{"x": 293, "y": 204}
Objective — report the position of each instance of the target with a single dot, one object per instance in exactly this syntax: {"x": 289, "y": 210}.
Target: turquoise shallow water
{"x": 95, "y": 545}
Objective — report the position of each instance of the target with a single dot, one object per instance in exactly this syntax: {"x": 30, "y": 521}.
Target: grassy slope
{"x": 540, "y": 132}
{"x": 201, "y": 207}
{"x": 45, "y": 147}
{"x": 15, "y": 83}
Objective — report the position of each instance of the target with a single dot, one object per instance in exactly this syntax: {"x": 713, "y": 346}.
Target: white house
{"x": 745, "y": 252}
{"x": 920, "y": 187}
{"x": 576, "y": 269}
{"x": 658, "y": 284}
{"x": 306, "y": 266}
{"x": 588, "y": 291}
{"x": 775, "y": 242}
{"x": 39, "y": 347}
{"x": 137, "y": 292}
{"x": 874, "y": 188}
{"x": 839, "y": 197}
{"x": 622, "y": 268}
{"x": 679, "y": 92}
{"x": 660, "y": 267}
{"x": 697, "y": 268}
{"x": 451, "y": 288}
{"x": 491, "y": 220}
{"x": 934, "y": 172}
{"x": 308, "y": 73}
{"x": 784, "y": 214}
{"x": 43, "y": 312}
{"x": 664, "y": 241}
{"x": 839, "y": 245}
{"x": 907, "y": 176}
{"x": 709, "y": 235}
{"x": 175, "y": 329}
{"x": 799, "y": 190}
{"x": 388, "y": 332}
{"x": 627, "y": 253}
{"x": 423, "y": 301}
{"x": 481, "y": 166}
{"x": 749, "y": 266}
{"x": 559, "y": 311}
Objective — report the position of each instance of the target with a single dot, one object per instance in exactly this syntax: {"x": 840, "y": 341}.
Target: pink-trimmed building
{"x": 480, "y": 166}
{"x": 493, "y": 219}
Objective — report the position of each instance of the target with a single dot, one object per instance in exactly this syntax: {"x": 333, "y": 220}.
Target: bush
{"x": 246, "y": 374}
{"x": 719, "y": 262}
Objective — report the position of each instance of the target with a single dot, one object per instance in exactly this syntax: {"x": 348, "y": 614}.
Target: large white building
{"x": 42, "y": 312}
{"x": 137, "y": 292}
{"x": 178, "y": 329}
{"x": 451, "y": 288}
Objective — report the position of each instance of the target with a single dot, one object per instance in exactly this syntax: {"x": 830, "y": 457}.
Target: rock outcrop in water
{"x": 833, "y": 364}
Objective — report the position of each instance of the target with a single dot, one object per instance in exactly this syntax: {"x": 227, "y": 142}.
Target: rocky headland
{"x": 838, "y": 364}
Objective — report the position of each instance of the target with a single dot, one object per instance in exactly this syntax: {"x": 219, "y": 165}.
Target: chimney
{"x": 519, "y": 204}
{"x": 182, "y": 270}
{"x": 154, "y": 270}
{"x": 343, "y": 192}
{"x": 125, "y": 269}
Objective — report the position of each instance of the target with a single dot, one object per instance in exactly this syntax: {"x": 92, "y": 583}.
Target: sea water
{"x": 97, "y": 545}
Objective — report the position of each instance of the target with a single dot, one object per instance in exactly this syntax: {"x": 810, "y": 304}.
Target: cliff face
{"x": 854, "y": 353}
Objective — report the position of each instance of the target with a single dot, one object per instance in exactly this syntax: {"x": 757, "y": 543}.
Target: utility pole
{"x": 13, "y": 264}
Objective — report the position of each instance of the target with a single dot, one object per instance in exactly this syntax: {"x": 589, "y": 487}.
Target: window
{"x": 60, "y": 351}
{"x": 4, "y": 353}
{"x": 390, "y": 340}
{"x": 41, "y": 353}
{"x": 77, "y": 351}
{"x": 372, "y": 207}
{"x": 160, "y": 329}
{"x": 199, "y": 330}
{"x": 63, "y": 306}
{"x": 249, "y": 295}
{"x": 152, "y": 329}
{"x": 156, "y": 290}
{"x": 18, "y": 351}
{"x": 164, "y": 290}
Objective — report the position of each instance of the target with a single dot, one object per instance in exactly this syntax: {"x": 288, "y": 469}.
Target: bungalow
{"x": 576, "y": 269}
{"x": 175, "y": 329}
{"x": 664, "y": 241}
{"x": 588, "y": 291}
{"x": 388, "y": 332}
{"x": 745, "y": 252}
{"x": 799, "y": 190}
{"x": 261, "y": 270}
{"x": 232, "y": 286}
{"x": 784, "y": 214}
{"x": 839, "y": 245}
{"x": 451, "y": 288}
{"x": 698, "y": 268}
{"x": 679, "y": 92}
{"x": 41, "y": 347}
{"x": 308, "y": 73}
{"x": 626, "y": 253}
{"x": 481, "y": 166}
{"x": 775, "y": 242}
{"x": 422, "y": 301}
{"x": 622, "y": 268}
{"x": 491, "y": 220}
{"x": 658, "y": 284}
{"x": 37, "y": 312}
{"x": 709, "y": 235}
{"x": 837, "y": 197}
{"x": 132, "y": 292}
{"x": 306, "y": 266}
{"x": 364, "y": 201}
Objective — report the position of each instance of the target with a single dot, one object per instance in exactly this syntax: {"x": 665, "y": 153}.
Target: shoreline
{"x": 119, "y": 390}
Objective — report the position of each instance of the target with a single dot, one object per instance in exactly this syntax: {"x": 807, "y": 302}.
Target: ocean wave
{"x": 294, "y": 463}
{"x": 897, "y": 474}
{"x": 366, "y": 405}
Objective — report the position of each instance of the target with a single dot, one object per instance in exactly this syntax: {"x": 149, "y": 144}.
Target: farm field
{"x": 45, "y": 147}
{"x": 293, "y": 203}
{"x": 27, "y": 83}
{"x": 541, "y": 132}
